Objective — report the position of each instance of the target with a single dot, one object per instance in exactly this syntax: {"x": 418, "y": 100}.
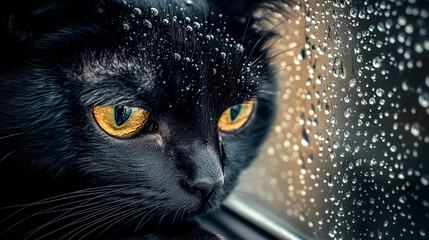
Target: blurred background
{"x": 348, "y": 155}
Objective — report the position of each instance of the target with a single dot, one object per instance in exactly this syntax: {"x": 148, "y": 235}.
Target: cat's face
{"x": 157, "y": 106}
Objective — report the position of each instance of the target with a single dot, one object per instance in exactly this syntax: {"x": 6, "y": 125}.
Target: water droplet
{"x": 353, "y": 12}
{"x": 425, "y": 180}
{"x": 379, "y": 92}
{"x": 402, "y": 199}
{"x": 197, "y": 25}
{"x": 359, "y": 58}
{"x": 304, "y": 140}
{"x": 137, "y": 11}
{"x": 126, "y": 27}
{"x": 154, "y": 11}
{"x": 348, "y": 112}
{"x": 345, "y": 178}
{"x": 240, "y": 48}
{"x": 424, "y": 99}
{"x": 147, "y": 23}
{"x": 376, "y": 62}
{"x": 415, "y": 129}
{"x": 177, "y": 57}
{"x": 352, "y": 82}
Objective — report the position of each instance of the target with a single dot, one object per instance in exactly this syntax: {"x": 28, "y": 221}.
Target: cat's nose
{"x": 207, "y": 187}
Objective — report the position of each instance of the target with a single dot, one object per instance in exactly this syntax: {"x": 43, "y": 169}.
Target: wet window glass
{"x": 348, "y": 155}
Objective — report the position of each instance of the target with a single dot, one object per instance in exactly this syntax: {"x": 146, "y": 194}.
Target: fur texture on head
{"x": 186, "y": 62}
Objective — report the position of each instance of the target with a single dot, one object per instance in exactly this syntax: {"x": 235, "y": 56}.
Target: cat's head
{"x": 152, "y": 106}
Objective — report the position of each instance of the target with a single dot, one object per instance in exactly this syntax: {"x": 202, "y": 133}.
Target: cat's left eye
{"x": 120, "y": 121}
{"x": 236, "y": 116}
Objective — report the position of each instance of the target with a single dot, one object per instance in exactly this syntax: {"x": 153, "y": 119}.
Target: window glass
{"x": 348, "y": 156}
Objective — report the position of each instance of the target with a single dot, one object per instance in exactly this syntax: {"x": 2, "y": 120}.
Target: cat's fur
{"x": 184, "y": 62}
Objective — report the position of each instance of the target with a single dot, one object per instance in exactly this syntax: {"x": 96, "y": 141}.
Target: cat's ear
{"x": 26, "y": 20}
{"x": 245, "y": 10}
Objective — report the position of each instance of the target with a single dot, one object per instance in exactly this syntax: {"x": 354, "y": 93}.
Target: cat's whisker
{"x": 97, "y": 210}
{"x": 112, "y": 214}
{"x": 162, "y": 216}
{"x": 136, "y": 212}
{"x": 137, "y": 215}
{"x": 94, "y": 212}
{"x": 182, "y": 216}
{"x": 65, "y": 196}
{"x": 32, "y": 232}
{"x": 7, "y": 155}
{"x": 46, "y": 211}
{"x": 139, "y": 225}
{"x": 127, "y": 213}
{"x": 241, "y": 193}
{"x": 175, "y": 215}
{"x": 49, "y": 209}
{"x": 11, "y": 135}
{"x": 114, "y": 221}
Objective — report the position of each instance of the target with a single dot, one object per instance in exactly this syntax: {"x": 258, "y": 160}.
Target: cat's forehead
{"x": 176, "y": 51}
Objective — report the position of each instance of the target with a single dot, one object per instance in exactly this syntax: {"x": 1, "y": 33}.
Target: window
{"x": 348, "y": 155}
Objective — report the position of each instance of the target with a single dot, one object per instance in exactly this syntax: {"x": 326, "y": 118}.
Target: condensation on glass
{"x": 348, "y": 156}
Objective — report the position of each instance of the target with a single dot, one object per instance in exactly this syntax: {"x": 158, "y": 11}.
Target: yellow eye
{"x": 236, "y": 116}
{"x": 120, "y": 121}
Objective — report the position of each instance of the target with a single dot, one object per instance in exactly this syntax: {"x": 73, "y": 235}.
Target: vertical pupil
{"x": 234, "y": 112}
{"x": 121, "y": 115}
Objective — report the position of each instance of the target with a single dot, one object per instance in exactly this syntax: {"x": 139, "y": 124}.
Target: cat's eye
{"x": 236, "y": 116}
{"x": 121, "y": 121}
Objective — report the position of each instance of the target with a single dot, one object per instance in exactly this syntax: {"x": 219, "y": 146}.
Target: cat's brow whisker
{"x": 284, "y": 51}
{"x": 248, "y": 23}
{"x": 263, "y": 36}
{"x": 274, "y": 70}
{"x": 268, "y": 92}
{"x": 268, "y": 48}
{"x": 7, "y": 155}
{"x": 11, "y": 135}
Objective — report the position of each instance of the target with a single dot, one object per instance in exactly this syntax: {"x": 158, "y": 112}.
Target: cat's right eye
{"x": 236, "y": 116}
{"x": 120, "y": 121}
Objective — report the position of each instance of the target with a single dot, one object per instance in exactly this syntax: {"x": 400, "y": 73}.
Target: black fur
{"x": 185, "y": 63}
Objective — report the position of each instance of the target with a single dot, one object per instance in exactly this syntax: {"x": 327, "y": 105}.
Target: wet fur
{"x": 62, "y": 58}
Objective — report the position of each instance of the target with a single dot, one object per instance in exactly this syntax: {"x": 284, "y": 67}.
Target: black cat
{"x": 127, "y": 114}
